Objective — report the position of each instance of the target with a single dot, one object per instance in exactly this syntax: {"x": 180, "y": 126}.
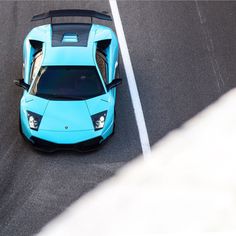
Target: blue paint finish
{"x": 70, "y": 56}
{"x": 35, "y": 104}
{"x": 66, "y": 116}
{"x": 68, "y": 122}
{"x": 100, "y": 103}
{"x": 66, "y": 137}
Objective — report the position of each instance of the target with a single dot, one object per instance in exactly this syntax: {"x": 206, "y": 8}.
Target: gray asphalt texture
{"x": 183, "y": 54}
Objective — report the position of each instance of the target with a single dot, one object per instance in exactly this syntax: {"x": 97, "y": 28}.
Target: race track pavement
{"x": 183, "y": 55}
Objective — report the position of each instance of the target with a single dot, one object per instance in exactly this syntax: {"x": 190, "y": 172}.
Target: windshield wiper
{"x": 51, "y": 96}
{"x": 68, "y": 97}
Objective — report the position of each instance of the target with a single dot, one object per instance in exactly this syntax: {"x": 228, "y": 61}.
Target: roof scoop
{"x": 70, "y": 38}
{"x": 65, "y": 34}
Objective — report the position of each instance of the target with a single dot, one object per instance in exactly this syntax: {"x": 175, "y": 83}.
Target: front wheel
{"x": 19, "y": 125}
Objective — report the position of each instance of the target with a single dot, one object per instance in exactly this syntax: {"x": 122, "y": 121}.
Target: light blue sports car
{"x": 69, "y": 79}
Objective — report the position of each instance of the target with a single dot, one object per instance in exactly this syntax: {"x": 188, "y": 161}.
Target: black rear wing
{"x": 72, "y": 12}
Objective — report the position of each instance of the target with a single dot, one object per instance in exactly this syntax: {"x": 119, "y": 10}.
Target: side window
{"x": 102, "y": 64}
{"x": 36, "y": 64}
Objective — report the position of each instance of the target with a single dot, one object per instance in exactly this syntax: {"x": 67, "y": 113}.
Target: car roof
{"x": 68, "y": 56}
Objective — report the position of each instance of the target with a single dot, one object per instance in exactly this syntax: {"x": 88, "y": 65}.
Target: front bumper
{"x": 85, "y": 146}
{"x": 50, "y": 141}
{"x": 85, "y": 141}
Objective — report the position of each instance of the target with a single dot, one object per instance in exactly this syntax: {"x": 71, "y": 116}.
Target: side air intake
{"x": 37, "y": 45}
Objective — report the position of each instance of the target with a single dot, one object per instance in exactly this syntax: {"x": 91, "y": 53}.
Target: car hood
{"x": 68, "y": 115}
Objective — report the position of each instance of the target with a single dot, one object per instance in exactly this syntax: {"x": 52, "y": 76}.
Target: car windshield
{"x": 67, "y": 82}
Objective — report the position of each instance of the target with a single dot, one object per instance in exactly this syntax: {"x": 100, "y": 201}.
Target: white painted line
{"x": 138, "y": 111}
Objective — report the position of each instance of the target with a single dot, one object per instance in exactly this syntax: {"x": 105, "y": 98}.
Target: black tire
{"x": 19, "y": 125}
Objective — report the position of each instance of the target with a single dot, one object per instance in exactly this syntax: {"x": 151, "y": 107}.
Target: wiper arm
{"x": 68, "y": 97}
{"x": 60, "y": 96}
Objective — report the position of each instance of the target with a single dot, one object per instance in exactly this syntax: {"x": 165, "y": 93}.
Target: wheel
{"x": 19, "y": 125}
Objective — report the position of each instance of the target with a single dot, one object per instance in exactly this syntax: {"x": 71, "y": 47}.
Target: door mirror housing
{"x": 113, "y": 84}
{"x": 21, "y": 83}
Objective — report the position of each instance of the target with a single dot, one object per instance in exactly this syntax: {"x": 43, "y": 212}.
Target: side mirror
{"x": 114, "y": 83}
{"x": 21, "y": 83}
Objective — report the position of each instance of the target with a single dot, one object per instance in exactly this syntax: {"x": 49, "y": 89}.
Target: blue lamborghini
{"x": 69, "y": 78}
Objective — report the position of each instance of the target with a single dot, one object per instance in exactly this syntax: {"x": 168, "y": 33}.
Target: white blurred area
{"x": 187, "y": 187}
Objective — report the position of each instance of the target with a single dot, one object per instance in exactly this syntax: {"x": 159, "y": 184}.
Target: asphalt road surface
{"x": 183, "y": 54}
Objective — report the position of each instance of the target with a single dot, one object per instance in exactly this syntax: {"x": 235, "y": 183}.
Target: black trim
{"x": 86, "y": 146}
{"x": 71, "y": 12}
{"x": 36, "y": 44}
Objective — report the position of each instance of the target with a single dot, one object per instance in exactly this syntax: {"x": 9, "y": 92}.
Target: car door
{"x": 102, "y": 65}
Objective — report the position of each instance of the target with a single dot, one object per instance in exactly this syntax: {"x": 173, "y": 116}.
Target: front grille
{"x": 88, "y": 145}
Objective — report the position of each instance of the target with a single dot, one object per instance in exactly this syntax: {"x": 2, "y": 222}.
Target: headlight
{"x": 34, "y": 120}
{"x": 99, "y": 120}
